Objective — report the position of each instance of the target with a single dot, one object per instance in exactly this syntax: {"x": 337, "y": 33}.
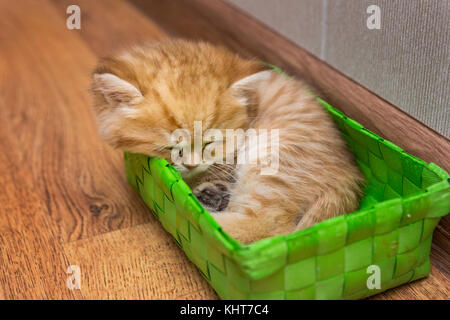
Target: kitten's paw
{"x": 214, "y": 195}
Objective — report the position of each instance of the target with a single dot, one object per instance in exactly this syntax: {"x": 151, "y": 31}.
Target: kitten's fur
{"x": 143, "y": 95}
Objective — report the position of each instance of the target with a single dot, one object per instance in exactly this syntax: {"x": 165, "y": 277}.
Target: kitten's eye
{"x": 180, "y": 153}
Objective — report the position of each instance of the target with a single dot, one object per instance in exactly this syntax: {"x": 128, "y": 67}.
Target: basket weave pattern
{"x": 404, "y": 200}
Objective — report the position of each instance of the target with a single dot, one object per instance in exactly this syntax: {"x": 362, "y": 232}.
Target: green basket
{"x": 404, "y": 200}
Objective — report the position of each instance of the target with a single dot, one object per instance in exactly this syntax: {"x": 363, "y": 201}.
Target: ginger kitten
{"x": 143, "y": 95}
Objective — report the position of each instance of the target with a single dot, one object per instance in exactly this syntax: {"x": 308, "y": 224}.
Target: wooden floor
{"x": 64, "y": 198}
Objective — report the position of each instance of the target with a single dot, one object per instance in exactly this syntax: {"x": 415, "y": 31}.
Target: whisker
{"x": 217, "y": 169}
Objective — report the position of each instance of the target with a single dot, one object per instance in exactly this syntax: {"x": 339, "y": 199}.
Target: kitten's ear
{"x": 115, "y": 90}
{"x": 243, "y": 87}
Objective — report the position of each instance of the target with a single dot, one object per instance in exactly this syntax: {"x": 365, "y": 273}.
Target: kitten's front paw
{"x": 214, "y": 195}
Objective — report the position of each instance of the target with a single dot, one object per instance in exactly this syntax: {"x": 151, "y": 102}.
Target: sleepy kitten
{"x": 142, "y": 96}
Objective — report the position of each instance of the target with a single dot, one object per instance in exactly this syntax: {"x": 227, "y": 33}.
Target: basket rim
{"x": 237, "y": 249}
{"x": 231, "y": 242}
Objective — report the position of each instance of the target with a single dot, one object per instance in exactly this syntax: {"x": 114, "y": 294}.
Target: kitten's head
{"x": 144, "y": 95}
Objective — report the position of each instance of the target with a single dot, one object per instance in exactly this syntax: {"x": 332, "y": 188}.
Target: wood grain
{"x": 435, "y": 287}
{"x": 32, "y": 262}
{"x": 110, "y": 26}
{"x": 134, "y": 263}
{"x": 45, "y": 90}
{"x": 61, "y": 183}
{"x": 65, "y": 199}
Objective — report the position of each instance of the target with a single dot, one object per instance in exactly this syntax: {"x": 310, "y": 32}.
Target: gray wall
{"x": 406, "y": 62}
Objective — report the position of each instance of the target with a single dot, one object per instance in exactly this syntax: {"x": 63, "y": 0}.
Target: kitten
{"x": 143, "y": 95}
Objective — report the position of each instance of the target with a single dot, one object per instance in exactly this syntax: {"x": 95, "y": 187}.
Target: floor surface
{"x": 64, "y": 199}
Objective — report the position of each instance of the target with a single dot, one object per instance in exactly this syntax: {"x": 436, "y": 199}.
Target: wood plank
{"x": 44, "y": 87}
{"x": 32, "y": 261}
{"x": 141, "y": 262}
{"x": 435, "y": 287}
{"x": 56, "y": 174}
{"x": 108, "y": 26}
{"x": 65, "y": 199}
{"x": 440, "y": 248}
{"x": 71, "y": 174}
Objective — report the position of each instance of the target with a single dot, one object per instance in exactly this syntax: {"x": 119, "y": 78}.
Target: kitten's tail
{"x": 326, "y": 207}
{"x": 244, "y": 228}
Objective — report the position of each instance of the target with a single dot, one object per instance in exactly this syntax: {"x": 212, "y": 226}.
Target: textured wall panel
{"x": 298, "y": 20}
{"x": 406, "y": 62}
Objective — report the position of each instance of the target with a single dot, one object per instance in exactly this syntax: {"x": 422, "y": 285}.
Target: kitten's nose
{"x": 191, "y": 166}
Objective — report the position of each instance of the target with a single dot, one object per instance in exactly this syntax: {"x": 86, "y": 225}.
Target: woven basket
{"x": 404, "y": 200}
